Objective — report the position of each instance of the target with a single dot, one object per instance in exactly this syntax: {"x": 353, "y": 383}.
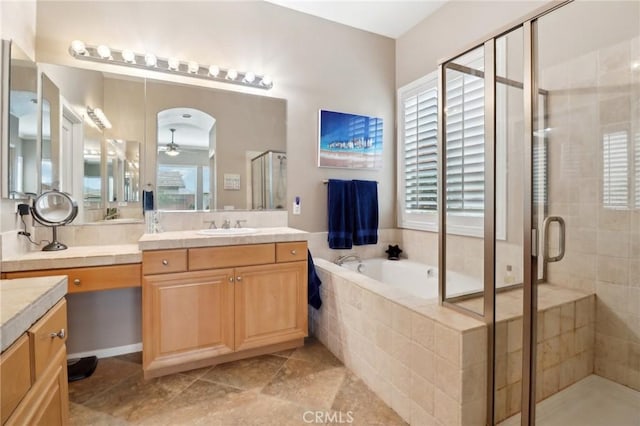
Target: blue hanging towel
{"x": 340, "y": 214}
{"x": 313, "y": 283}
{"x": 365, "y": 205}
{"x": 147, "y": 200}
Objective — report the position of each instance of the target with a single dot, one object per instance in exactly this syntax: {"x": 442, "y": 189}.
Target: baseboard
{"x": 108, "y": 352}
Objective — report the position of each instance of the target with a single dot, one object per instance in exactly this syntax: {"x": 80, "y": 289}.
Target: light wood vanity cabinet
{"x": 33, "y": 373}
{"x": 93, "y": 278}
{"x": 232, "y": 302}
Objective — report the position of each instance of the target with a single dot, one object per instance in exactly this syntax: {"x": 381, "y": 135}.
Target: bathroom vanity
{"x": 208, "y": 300}
{"x": 33, "y": 364}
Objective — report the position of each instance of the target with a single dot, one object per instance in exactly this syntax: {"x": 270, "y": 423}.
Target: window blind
{"x": 615, "y": 162}
{"x": 421, "y": 149}
{"x": 465, "y": 144}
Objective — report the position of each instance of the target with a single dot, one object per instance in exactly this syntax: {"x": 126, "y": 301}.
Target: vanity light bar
{"x": 99, "y": 118}
{"x": 128, "y": 58}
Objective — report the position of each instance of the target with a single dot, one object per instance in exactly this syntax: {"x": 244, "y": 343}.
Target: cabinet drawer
{"x": 231, "y": 256}
{"x": 93, "y": 278}
{"x": 164, "y": 261}
{"x": 47, "y": 336}
{"x": 15, "y": 376}
{"x": 291, "y": 252}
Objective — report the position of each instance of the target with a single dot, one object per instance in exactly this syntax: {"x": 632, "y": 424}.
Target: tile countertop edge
{"x": 19, "y": 323}
{"x": 191, "y": 239}
{"x": 74, "y": 257}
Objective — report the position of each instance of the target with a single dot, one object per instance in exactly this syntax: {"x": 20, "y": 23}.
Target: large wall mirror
{"x": 20, "y": 128}
{"x": 217, "y": 136}
{"x": 205, "y": 161}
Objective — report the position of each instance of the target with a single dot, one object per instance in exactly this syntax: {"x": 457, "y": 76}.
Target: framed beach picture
{"x": 349, "y": 141}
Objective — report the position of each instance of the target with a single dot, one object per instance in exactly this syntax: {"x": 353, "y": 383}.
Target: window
{"x": 620, "y": 171}
{"x": 417, "y": 155}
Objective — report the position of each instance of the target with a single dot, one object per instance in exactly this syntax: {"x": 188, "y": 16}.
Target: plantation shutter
{"x": 615, "y": 190}
{"x": 421, "y": 149}
{"x": 465, "y": 144}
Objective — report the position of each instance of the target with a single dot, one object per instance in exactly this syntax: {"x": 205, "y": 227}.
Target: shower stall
{"x": 539, "y": 130}
{"x": 269, "y": 180}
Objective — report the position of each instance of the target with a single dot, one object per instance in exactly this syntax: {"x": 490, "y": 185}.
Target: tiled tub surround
{"x": 426, "y": 362}
{"x": 429, "y": 363}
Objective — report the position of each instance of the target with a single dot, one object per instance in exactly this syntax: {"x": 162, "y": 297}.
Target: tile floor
{"x": 593, "y": 401}
{"x": 297, "y": 387}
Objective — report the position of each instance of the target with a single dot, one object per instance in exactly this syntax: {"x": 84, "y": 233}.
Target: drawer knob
{"x": 293, "y": 252}
{"x": 60, "y": 334}
{"x": 76, "y": 282}
{"x": 165, "y": 262}
{"x": 230, "y": 279}
{"x": 238, "y": 278}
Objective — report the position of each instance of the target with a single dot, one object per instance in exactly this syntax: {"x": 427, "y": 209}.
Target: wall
{"x": 450, "y": 30}
{"x": 314, "y": 63}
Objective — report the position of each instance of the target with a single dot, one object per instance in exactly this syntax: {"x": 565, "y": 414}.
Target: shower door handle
{"x": 545, "y": 233}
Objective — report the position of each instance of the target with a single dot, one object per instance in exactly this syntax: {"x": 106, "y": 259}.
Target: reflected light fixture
{"x": 103, "y": 53}
{"x": 150, "y": 60}
{"x": 172, "y": 148}
{"x": 99, "y": 118}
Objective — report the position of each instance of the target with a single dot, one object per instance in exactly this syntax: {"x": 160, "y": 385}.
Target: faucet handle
{"x": 239, "y": 223}
{"x": 212, "y": 224}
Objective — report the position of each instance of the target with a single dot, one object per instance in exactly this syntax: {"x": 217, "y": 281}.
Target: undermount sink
{"x": 221, "y": 232}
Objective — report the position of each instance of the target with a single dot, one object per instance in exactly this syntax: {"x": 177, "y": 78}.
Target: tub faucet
{"x": 226, "y": 224}
{"x": 340, "y": 260}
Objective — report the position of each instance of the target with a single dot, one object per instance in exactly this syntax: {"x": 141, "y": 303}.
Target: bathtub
{"x": 416, "y": 279}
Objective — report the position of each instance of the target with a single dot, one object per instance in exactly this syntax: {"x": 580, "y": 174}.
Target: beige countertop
{"x": 73, "y": 257}
{"x": 188, "y": 239}
{"x": 24, "y": 300}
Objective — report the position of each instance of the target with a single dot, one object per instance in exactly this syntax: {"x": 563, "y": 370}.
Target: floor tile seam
{"x": 105, "y": 390}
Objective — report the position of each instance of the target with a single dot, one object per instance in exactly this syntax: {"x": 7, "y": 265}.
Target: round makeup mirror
{"x": 54, "y": 208}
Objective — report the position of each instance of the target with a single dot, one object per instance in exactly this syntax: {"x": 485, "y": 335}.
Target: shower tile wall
{"x": 594, "y": 97}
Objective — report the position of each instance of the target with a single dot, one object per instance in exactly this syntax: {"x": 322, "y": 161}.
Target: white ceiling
{"x": 391, "y": 18}
{"x": 190, "y": 132}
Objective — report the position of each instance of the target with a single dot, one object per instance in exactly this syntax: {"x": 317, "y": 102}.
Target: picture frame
{"x": 349, "y": 141}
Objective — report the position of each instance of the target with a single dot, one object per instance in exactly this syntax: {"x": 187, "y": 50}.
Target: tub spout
{"x": 340, "y": 260}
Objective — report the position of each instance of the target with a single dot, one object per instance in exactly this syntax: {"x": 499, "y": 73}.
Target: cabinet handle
{"x": 238, "y": 278}
{"x": 165, "y": 262}
{"x": 230, "y": 279}
{"x": 293, "y": 252}
{"x": 76, "y": 282}
{"x": 60, "y": 334}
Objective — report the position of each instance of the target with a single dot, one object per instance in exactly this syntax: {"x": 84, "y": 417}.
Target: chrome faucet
{"x": 239, "y": 223}
{"x": 341, "y": 259}
{"x": 226, "y": 224}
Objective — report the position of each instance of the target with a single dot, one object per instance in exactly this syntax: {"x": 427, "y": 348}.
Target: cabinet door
{"x": 271, "y": 304}
{"x": 48, "y": 402}
{"x": 186, "y": 317}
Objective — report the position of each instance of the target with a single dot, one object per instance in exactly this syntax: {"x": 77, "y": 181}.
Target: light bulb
{"x": 173, "y": 63}
{"x": 78, "y": 47}
{"x": 129, "y": 56}
{"x": 104, "y": 51}
{"x": 232, "y": 74}
{"x": 193, "y": 67}
{"x": 266, "y": 81}
{"x": 214, "y": 71}
{"x": 249, "y": 77}
{"x": 150, "y": 60}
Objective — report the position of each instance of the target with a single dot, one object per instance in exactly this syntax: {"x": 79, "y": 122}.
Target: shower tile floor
{"x": 593, "y": 401}
{"x": 307, "y": 385}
